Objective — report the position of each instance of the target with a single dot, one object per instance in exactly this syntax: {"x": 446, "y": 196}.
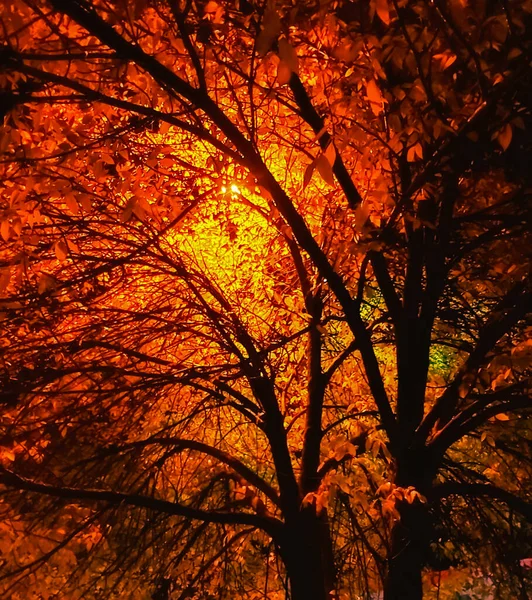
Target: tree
{"x": 265, "y": 277}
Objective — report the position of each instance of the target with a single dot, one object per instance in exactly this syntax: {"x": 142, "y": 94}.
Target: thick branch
{"x": 309, "y": 114}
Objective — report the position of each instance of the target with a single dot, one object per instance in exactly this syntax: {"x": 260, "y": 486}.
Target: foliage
{"x": 265, "y": 290}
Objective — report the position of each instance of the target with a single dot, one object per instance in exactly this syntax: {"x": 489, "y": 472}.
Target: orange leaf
{"x": 382, "y": 9}
{"x": 4, "y": 230}
{"x": 284, "y": 72}
{"x": 330, "y": 154}
{"x": 374, "y": 96}
{"x": 502, "y": 417}
{"x": 325, "y": 169}
{"x": 504, "y": 137}
{"x": 61, "y": 250}
{"x": 309, "y": 171}
{"x": 288, "y": 55}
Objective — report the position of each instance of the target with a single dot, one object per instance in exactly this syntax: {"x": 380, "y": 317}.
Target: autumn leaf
{"x": 504, "y": 136}
{"x": 288, "y": 55}
{"x": 72, "y": 204}
{"x": 284, "y": 72}
{"x": 414, "y": 153}
{"x": 361, "y": 217}
{"x": 5, "y": 228}
{"x": 375, "y": 97}
{"x": 382, "y": 8}
{"x": 324, "y": 168}
{"x": 271, "y": 27}
{"x": 46, "y": 283}
{"x": 5, "y": 278}
{"x": 502, "y": 417}
{"x": 309, "y": 171}
{"x": 330, "y": 153}
{"x": 61, "y": 250}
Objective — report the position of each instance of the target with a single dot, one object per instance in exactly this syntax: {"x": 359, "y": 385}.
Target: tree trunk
{"x": 308, "y": 558}
{"x": 413, "y": 532}
{"x": 403, "y": 581}
{"x": 410, "y": 550}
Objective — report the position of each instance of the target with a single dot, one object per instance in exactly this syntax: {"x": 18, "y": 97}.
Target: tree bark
{"x": 412, "y": 533}
{"x": 403, "y": 581}
{"x": 308, "y": 558}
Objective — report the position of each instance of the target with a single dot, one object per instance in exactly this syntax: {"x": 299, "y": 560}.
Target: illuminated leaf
{"x": 361, "y": 216}
{"x": 330, "y": 153}
{"x": 271, "y": 27}
{"x": 309, "y": 171}
{"x": 375, "y": 97}
{"x": 284, "y": 72}
{"x": 325, "y": 169}
{"x": 504, "y": 137}
{"x": 288, "y": 55}
{"x": 382, "y": 9}
{"x": 502, "y": 417}
{"x": 46, "y": 283}
{"x": 5, "y": 230}
{"x": 61, "y": 250}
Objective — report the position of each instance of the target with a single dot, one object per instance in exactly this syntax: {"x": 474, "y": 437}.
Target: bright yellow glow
{"x": 235, "y": 189}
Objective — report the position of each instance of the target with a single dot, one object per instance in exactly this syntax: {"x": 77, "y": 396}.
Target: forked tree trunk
{"x": 308, "y": 558}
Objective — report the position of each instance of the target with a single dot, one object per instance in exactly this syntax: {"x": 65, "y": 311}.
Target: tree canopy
{"x": 265, "y": 299}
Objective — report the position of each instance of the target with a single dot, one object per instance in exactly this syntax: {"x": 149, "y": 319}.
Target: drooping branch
{"x": 475, "y": 416}
{"x": 477, "y": 490}
{"x": 97, "y": 96}
{"x": 84, "y": 13}
{"x": 178, "y": 444}
{"x": 510, "y": 310}
{"x": 81, "y": 12}
{"x": 11, "y": 480}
